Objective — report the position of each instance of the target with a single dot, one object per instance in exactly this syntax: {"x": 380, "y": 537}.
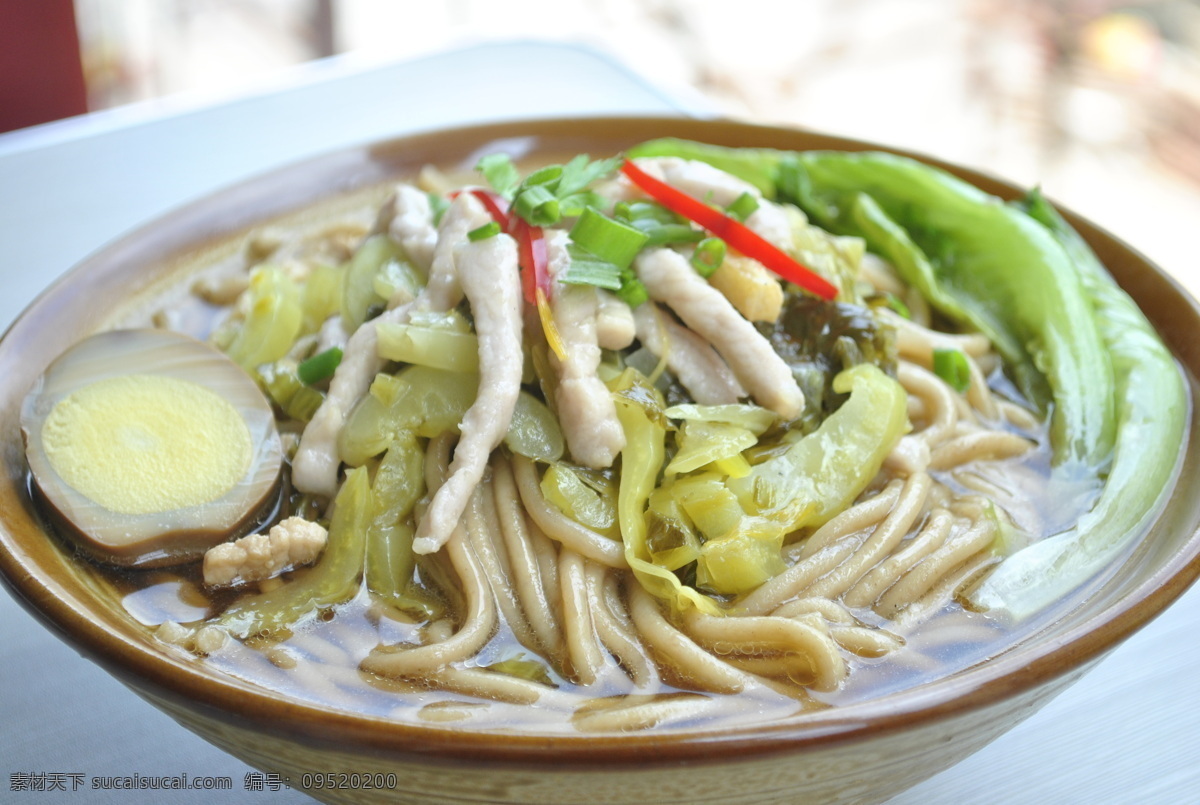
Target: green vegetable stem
{"x": 1151, "y": 414}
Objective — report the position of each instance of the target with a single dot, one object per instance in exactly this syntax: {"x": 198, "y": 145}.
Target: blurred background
{"x": 1097, "y": 101}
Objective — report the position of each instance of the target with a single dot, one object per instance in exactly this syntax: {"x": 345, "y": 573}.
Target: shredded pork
{"x": 315, "y": 466}
{"x": 407, "y": 218}
{"x": 669, "y": 278}
{"x": 614, "y": 322}
{"x": 332, "y": 334}
{"x": 690, "y": 358}
{"x": 487, "y": 272}
{"x": 585, "y": 407}
{"x": 413, "y": 226}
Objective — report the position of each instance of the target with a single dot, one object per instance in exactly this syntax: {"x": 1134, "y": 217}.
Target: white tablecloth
{"x": 1128, "y": 733}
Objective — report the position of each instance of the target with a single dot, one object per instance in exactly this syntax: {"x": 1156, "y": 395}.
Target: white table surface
{"x": 1129, "y": 732}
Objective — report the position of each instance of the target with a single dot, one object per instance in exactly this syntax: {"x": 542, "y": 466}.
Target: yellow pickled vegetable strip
{"x": 830, "y": 467}
{"x": 743, "y": 559}
{"x": 386, "y": 388}
{"x": 733, "y": 466}
{"x": 367, "y": 431}
{"x": 753, "y": 418}
{"x": 553, "y": 339}
{"x": 334, "y": 579}
{"x": 437, "y": 348}
{"x": 272, "y": 321}
{"x": 322, "y": 297}
{"x": 564, "y": 488}
{"x": 641, "y": 459}
{"x": 398, "y": 282}
{"x": 399, "y": 484}
{"x": 358, "y": 279}
{"x": 709, "y": 504}
{"x": 430, "y": 402}
{"x": 534, "y": 431}
{"x": 703, "y": 442}
{"x": 670, "y": 538}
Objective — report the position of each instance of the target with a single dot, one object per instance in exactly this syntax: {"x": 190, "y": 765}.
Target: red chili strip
{"x": 735, "y": 234}
{"x": 531, "y": 243}
{"x": 533, "y": 257}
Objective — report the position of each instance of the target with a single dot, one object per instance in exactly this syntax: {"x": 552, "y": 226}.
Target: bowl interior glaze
{"x": 117, "y": 284}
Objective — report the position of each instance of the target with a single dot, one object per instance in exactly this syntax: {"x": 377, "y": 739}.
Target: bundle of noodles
{"x": 598, "y": 458}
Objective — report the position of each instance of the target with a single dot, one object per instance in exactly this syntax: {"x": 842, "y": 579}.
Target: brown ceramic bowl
{"x": 861, "y": 752}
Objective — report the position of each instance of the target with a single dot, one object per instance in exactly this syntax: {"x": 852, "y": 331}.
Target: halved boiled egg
{"x": 150, "y": 447}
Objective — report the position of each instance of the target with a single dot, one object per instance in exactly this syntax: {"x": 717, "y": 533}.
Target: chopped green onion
{"x": 709, "y": 255}
{"x": 661, "y": 226}
{"x": 667, "y": 234}
{"x": 632, "y": 292}
{"x": 951, "y": 366}
{"x": 319, "y": 367}
{"x": 488, "y": 230}
{"x": 551, "y": 193}
{"x": 608, "y": 239}
{"x": 538, "y": 205}
{"x": 634, "y": 211}
{"x": 588, "y": 269}
{"x": 500, "y": 172}
{"x": 742, "y": 207}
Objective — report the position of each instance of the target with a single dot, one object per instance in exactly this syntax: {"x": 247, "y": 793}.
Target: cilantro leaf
{"x": 579, "y": 173}
{"x": 500, "y": 172}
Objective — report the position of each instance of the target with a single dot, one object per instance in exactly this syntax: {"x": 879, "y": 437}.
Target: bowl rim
{"x": 1033, "y": 663}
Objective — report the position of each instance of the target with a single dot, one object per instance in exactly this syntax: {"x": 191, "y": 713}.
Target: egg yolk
{"x": 140, "y": 444}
